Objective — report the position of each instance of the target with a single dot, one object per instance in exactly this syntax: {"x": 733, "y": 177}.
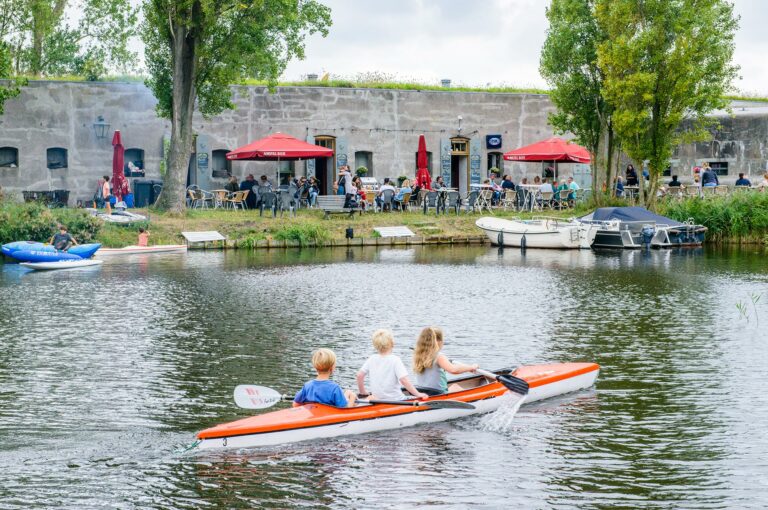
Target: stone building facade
{"x": 57, "y": 135}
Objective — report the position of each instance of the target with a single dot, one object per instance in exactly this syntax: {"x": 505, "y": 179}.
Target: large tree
{"x": 569, "y": 64}
{"x": 56, "y": 37}
{"x": 197, "y": 49}
{"x": 665, "y": 61}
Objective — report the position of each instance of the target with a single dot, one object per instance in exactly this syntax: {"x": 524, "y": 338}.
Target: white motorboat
{"x": 538, "y": 233}
{"x": 135, "y": 250}
{"x": 61, "y": 264}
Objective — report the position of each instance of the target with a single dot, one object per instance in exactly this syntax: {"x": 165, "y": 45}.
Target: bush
{"x": 304, "y": 233}
{"x": 35, "y": 222}
{"x": 739, "y": 216}
{"x": 361, "y": 171}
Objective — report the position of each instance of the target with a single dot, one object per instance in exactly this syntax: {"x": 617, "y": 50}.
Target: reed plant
{"x": 305, "y": 233}
{"x": 738, "y": 217}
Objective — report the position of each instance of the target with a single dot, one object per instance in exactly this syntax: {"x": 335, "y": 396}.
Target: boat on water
{"x": 134, "y": 250}
{"x": 316, "y": 421}
{"x": 27, "y": 251}
{"x": 635, "y": 227}
{"x": 538, "y": 232}
{"x": 61, "y": 264}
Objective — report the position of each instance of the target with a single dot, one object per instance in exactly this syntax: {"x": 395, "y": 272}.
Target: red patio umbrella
{"x": 422, "y": 173}
{"x": 279, "y": 146}
{"x": 119, "y": 182}
{"x": 553, "y": 149}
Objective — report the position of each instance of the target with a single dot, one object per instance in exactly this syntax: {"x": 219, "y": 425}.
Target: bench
{"x": 334, "y": 204}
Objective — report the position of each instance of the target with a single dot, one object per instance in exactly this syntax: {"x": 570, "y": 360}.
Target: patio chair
{"x": 237, "y": 200}
{"x": 470, "y": 201}
{"x": 708, "y": 191}
{"x": 268, "y": 200}
{"x": 220, "y": 198}
{"x": 452, "y": 201}
{"x": 545, "y": 199}
{"x": 403, "y": 202}
{"x": 430, "y": 201}
{"x": 370, "y": 199}
{"x": 190, "y": 196}
{"x": 692, "y": 191}
{"x": 303, "y": 199}
{"x": 287, "y": 201}
{"x": 562, "y": 199}
{"x": 484, "y": 200}
{"x": 385, "y": 200}
{"x": 722, "y": 190}
{"x": 509, "y": 199}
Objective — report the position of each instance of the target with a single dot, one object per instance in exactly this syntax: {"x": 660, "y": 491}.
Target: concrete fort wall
{"x": 375, "y": 127}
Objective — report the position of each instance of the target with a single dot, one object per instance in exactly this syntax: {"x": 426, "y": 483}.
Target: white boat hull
{"x": 135, "y": 250}
{"x": 537, "y": 393}
{"x": 61, "y": 264}
{"x": 538, "y": 233}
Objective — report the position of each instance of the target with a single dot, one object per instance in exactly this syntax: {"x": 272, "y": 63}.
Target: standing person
{"x": 98, "y": 196}
{"x": 322, "y": 390}
{"x": 62, "y": 241}
{"x": 431, "y": 366}
{"x": 708, "y": 176}
{"x": 631, "y": 175}
{"x": 143, "y": 237}
{"x": 345, "y": 185}
{"x": 106, "y": 194}
{"x": 385, "y": 371}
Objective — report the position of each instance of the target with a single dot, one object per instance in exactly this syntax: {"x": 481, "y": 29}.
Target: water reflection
{"x": 106, "y": 374}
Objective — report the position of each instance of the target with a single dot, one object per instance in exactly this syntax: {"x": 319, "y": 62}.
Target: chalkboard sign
{"x": 475, "y": 160}
{"x": 445, "y": 161}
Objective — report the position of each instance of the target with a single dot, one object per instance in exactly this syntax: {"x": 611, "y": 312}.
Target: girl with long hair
{"x": 431, "y": 366}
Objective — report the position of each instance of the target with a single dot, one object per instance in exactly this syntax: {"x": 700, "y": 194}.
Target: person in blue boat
{"x": 431, "y": 366}
{"x": 62, "y": 241}
{"x": 322, "y": 390}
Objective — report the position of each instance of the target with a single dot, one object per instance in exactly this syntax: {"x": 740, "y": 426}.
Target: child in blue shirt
{"x": 322, "y": 390}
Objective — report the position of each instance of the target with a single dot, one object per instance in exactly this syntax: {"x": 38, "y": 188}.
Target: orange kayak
{"x": 315, "y": 421}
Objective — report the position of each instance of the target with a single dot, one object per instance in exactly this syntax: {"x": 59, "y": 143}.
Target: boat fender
{"x": 500, "y": 239}
{"x": 523, "y": 242}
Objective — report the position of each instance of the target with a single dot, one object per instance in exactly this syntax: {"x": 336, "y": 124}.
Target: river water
{"x": 107, "y": 373}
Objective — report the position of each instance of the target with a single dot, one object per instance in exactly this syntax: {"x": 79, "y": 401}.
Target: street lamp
{"x": 101, "y": 128}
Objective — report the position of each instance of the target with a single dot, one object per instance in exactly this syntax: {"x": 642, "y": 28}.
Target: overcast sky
{"x": 473, "y": 42}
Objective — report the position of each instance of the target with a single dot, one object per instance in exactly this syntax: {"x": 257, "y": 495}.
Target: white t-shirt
{"x": 384, "y": 373}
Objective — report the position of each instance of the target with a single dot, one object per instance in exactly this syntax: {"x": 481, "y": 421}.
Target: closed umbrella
{"x": 119, "y": 182}
{"x": 422, "y": 173}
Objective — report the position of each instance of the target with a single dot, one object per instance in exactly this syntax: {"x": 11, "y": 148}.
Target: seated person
{"x": 439, "y": 183}
{"x": 322, "y": 390}
{"x": 431, "y": 366}
{"x": 404, "y": 188}
{"x": 507, "y": 184}
{"x": 574, "y": 187}
{"x": 384, "y": 187}
{"x": 708, "y": 177}
{"x": 232, "y": 185}
{"x": 632, "y": 176}
{"x": 674, "y": 182}
{"x": 619, "y": 187}
{"x": 385, "y": 371}
{"x": 62, "y": 241}
{"x": 546, "y": 187}
{"x": 764, "y": 183}
{"x": 743, "y": 181}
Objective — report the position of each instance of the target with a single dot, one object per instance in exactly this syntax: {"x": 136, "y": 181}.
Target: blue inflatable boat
{"x": 29, "y": 251}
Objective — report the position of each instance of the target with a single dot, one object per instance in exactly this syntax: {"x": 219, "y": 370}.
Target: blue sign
{"x": 493, "y": 141}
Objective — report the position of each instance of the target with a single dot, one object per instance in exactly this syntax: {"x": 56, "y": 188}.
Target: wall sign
{"x": 475, "y": 160}
{"x": 445, "y": 161}
{"x": 310, "y": 172}
{"x": 493, "y": 142}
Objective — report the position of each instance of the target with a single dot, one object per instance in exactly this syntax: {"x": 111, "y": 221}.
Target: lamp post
{"x": 101, "y": 128}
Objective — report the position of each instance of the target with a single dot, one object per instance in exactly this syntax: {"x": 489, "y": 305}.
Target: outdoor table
{"x": 631, "y": 192}
{"x": 530, "y": 192}
{"x": 220, "y": 197}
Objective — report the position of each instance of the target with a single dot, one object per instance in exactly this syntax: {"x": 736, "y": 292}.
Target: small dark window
{"x": 364, "y": 158}
{"x": 496, "y": 160}
{"x": 720, "y": 167}
{"x": 429, "y": 161}
{"x": 57, "y": 158}
{"x": 134, "y": 163}
{"x": 220, "y": 166}
{"x": 9, "y": 157}
{"x": 287, "y": 170}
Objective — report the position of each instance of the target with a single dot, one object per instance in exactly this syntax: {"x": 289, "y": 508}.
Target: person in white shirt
{"x": 386, "y": 372}
{"x": 384, "y": 187}
{"x": 546, "y": 187}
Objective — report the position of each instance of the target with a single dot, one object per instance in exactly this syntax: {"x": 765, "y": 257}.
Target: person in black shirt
{"x": 742, "y": 181}
{"x": 62, "y": 241}
{"x": 632, "y": 176}
{"x": 674, "y": 182}
{"x": 507, "y": 184}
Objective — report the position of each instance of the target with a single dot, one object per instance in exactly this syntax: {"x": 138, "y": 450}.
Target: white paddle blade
{"x": 249, "y": 396}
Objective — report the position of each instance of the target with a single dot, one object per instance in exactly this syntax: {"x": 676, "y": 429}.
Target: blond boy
{"x": 386, "y": 371}
{"x": 322, "y": 390}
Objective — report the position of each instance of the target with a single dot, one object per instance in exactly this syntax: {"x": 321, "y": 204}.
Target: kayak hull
{"x": 317, "y": 421}
{"x": 27, "y": 251}
{"x": 61, "y": 264}
{"x": 135, "y": 250}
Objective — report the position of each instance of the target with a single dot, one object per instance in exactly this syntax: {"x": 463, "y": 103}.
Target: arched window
{"x": 56, "y": 157}
{"x": 9, "y": 157}
{"x": 221, "y": 167}
{"x": 364, "y": 158}
{"x": 134, "y": 163}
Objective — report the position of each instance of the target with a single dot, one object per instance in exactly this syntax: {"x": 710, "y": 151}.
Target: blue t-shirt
{"x": 321, "y": 392}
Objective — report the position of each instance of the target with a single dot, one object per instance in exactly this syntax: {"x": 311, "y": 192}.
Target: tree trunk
{"x": 173, "y": 197}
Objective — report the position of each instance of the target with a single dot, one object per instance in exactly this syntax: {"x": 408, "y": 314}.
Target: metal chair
{"x": 722, "y": 190}
{"x": 237, "y": 200}
{"x": 385, "y": 200}
{"x": 403, "y": 202}
{"x": 268, "y": 200}
{"x": 470, "y": 201}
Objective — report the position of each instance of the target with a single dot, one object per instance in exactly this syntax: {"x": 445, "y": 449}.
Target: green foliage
{"x": 35, "y": 222}
{"x": 10, "y": 87}
{"x": 664, "y": 61}
{"x": 401, "y": 179}
{"x": 305, "y": 233}
{"x": 361, "y": 171}
{"x": 739, "y": 216}
{"x": 46, "y": 44}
